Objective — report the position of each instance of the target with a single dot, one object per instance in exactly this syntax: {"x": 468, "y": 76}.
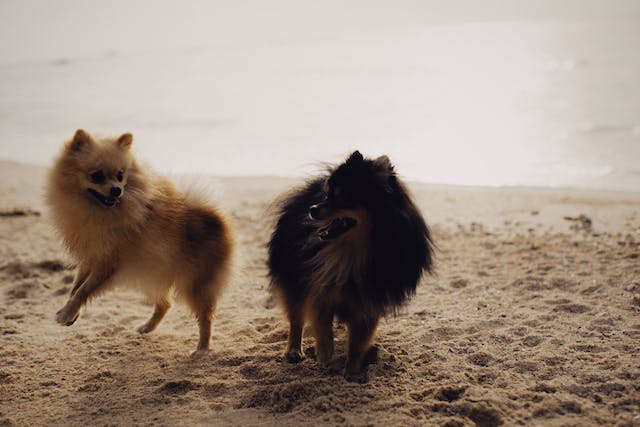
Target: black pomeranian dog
{"x": 350, "y": 244}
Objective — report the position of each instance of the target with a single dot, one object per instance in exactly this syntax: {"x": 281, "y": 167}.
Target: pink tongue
{"x": 324, "y": 231}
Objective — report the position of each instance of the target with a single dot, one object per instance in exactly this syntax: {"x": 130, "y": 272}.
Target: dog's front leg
{"x": 93, "y": 283}
{"x": 293, "y": 354}
{"x": 322, "y": 324}
{"x": 81, "y": 276}
{"x": 361, "y": 334}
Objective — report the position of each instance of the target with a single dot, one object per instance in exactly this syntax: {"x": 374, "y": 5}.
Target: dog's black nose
{"x": 314, "y": 212}
{"x": 115, "y": 191}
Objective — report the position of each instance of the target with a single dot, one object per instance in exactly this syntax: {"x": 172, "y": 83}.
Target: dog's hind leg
{"x": 161, "y": 307}
{"x": 293, "y": 353}
{"x": 361, "y": 333}
{"x": 205, "y": 317}
{"x": 202, "y": 300}
{"x": 95, "y": 282}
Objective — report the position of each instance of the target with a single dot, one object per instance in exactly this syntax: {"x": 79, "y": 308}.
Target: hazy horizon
{"x": 538, "y": 93}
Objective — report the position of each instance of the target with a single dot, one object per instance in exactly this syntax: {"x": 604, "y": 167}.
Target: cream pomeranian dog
{"x": 123, "y": 224}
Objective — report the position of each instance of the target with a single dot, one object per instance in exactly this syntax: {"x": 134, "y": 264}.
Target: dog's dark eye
{"x": 120, "y": 176}
{"x": 98, "y": 177}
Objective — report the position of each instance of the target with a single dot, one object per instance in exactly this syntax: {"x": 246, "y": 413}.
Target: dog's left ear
{"x": 125, "y": 141}
{"x": 355, "y": 157}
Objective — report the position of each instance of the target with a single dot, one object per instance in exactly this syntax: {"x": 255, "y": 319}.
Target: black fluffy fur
{"x": 401, "y": 247}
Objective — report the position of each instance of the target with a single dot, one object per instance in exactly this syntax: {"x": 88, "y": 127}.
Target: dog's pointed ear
{"x": 384, "y": 162}
{"x": 81, "y": 140}
{"x": 355, "y": 157}
{"x": 386, "y": 172}
{"x": 125, "y": 141}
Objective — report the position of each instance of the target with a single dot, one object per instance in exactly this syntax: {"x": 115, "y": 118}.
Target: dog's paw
{"x": 66, "y": 317}
{"x": 355, "y": 377}
{"x": 145, "y": 329}
{"x": 324, "y": 356}
{"x": 200, "y": 353}
{"x": 371, "y": 356}
{"x": 294, "y": 356}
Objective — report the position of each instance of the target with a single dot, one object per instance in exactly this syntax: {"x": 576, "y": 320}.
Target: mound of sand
{"x": 532, "y": 319}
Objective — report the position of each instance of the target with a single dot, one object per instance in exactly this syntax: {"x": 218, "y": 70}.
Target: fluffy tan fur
{"x": 152, "y": 238}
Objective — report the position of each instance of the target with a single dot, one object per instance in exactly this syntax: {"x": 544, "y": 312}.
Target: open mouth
{"x": 108, "y": 201}
{"x": 336, "y": 227}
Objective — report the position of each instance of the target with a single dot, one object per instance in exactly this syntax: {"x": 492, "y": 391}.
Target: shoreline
{"x": 4, "y": 163}
{"x": 443, "y": 204}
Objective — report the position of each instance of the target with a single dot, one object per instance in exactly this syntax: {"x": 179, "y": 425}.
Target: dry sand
{"x": 532, "y": 319}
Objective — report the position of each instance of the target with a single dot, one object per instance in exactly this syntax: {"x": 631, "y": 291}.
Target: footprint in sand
{"x": 5, "y": 378}
{"x": 22, "y": 291}
{"x": 180, "y": 387}
{"x": 275, "y": 336}
{"x": 553, "y": 409}
{"x": 264, "y": 324}
{"x": 544, "y": 388}
{"x": 526, "y": 367}
{"x": 252, "y": 371}
{"x": 480, "y": 414}
{"x": 613, "y": 389}
{"x": 562, "y": 284}
{"x": 480, "y": 359}
{"x": 214, "y": 390}
{"x": 459, "y": 283}
{"x": 450, "y": 394}
{"x": 284, "y": 398}
{"x": 589, "y": 348}
{"x": 95, "y": 382}
{"x": 52, "y": 265}
{"x": 529, "y": 283}
{"x": 572, "y": 308}
{"x": 532, "y": 340}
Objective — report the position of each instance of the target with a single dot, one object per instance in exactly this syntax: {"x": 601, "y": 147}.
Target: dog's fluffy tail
{"x": 206, "y": 192}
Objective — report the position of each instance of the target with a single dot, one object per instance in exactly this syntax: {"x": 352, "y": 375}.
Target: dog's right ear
{"x": 384, "y": 162}
{"x": 80, "y": 141}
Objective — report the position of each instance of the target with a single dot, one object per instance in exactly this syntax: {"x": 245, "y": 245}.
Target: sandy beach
{"x": 533, "y": 318}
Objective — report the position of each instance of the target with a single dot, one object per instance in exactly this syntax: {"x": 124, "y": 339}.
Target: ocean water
{"x": 540, "y": 102}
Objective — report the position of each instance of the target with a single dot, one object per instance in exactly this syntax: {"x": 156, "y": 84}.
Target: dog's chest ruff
{"x": 340, "y": 262}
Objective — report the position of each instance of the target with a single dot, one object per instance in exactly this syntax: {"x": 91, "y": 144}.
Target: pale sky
{"x": 32, "y": 30}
